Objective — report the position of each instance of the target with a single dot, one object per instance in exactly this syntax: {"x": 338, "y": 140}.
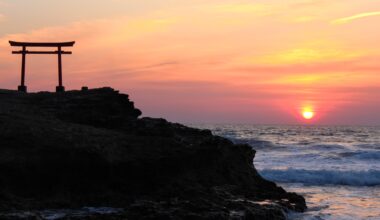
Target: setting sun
{"x": 308, "y": 114}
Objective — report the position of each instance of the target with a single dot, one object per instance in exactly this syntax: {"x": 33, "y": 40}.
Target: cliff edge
{"x": 90, "y": 148}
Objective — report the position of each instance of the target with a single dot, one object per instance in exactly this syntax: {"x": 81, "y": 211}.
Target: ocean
{"x": 336, "y": 168}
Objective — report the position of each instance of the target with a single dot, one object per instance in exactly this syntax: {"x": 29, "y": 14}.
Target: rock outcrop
{"x": 90, "y": 148}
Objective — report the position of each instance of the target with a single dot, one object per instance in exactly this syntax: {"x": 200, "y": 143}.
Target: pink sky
{"x": 207, "y": 61}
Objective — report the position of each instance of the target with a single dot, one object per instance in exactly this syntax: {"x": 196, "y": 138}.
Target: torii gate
{"x": 59, "y": 51}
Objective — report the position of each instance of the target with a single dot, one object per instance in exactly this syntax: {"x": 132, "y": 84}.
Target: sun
{"x": 308, "y": 114}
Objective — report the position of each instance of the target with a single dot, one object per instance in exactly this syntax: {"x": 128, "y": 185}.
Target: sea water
{"x": 336, "y": 168}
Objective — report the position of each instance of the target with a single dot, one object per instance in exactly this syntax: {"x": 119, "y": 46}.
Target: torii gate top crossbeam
{"x": 34, "y": 44}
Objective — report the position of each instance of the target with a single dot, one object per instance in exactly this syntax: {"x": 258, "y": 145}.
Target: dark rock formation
{"x": 89, "y": 148}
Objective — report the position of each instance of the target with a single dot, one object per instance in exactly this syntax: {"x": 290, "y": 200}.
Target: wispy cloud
{"x": 258, "y": 9}
{"x": 355, "y": 17}
{"x": 309, "y": 3}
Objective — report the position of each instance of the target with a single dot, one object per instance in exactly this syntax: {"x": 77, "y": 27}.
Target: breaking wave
{"x": 362, "y": 155}
{"x": 324, "y": 177}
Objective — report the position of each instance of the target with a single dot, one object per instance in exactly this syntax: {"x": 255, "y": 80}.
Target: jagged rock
{"x": 89, "y": 148}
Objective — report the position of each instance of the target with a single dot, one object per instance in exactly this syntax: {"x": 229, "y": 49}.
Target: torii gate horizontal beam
{"x": 41, "y": 52}
{"x": 34, "y": 44}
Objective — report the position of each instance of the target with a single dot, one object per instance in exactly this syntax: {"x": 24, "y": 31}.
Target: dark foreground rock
{"x": 89, "y": 149}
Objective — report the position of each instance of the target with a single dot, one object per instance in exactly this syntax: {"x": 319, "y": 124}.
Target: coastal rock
{"x": 90, "y": 149}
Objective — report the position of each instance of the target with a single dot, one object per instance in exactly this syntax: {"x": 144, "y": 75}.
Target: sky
{"x": 209, "y": 61}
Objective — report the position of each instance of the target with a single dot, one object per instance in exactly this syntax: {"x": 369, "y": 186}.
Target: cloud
{"x": 310, "y": 55}
{"x": 355, "y": 17}
{"x": 308, "y": 52}
{"x": 360, "y": 65}
{"x": 259, "y": 9}
{"x": 309, "y": 3}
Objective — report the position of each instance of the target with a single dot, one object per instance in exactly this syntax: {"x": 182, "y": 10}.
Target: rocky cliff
{"x": 90, "y": 148}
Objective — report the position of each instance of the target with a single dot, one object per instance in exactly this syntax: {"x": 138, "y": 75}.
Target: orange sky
{"x": 220, "y": 61}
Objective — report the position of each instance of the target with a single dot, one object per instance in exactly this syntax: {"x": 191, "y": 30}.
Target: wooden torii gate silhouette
{"x": 24, "y": 51}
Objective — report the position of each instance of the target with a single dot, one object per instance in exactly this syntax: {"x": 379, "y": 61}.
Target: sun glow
{"x": 308, "y": 114}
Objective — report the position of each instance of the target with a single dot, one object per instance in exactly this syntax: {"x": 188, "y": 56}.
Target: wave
{"x": 369, "y": 146}
{"x": 327, "y": 147}
{"x": 260, "y": 144}
{"x": 254, "y": 143}
{"x": 362, "y": 155}
{"x": 324, "y": 177}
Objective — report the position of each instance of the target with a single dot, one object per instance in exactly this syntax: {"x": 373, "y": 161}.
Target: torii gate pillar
{"x": 22, "y": 87}
{"x": 60, "y": 87}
